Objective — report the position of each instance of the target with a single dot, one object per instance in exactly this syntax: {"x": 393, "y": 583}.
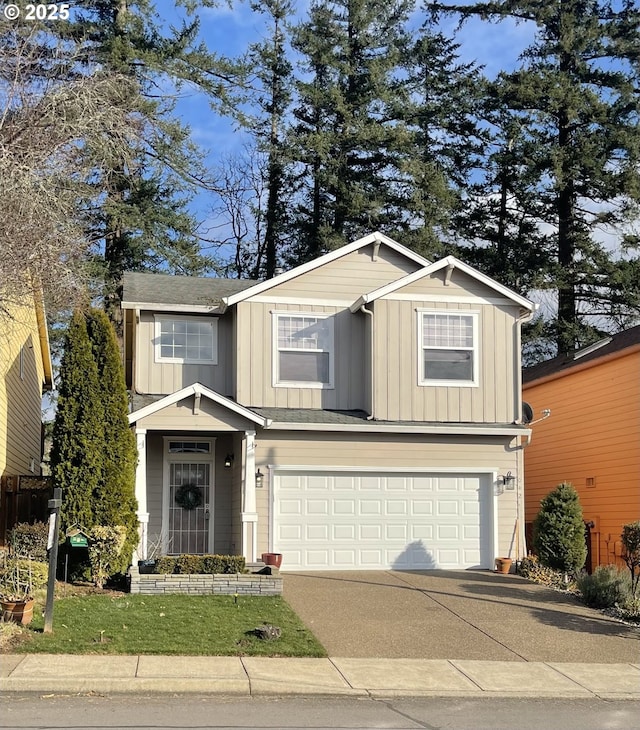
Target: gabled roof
{"x": 588, "y": 356}
{"x": 198, "y": 389}
{"x": 376, "y": 237}
{"x": 449, "y": 262}
{"x": 178, "y": 293}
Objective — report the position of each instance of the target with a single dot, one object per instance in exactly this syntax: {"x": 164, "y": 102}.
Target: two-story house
{"x": 25, "y": 371}
{"x": 362, "y": 410}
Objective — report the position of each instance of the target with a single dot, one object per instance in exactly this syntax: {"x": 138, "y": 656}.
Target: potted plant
{"x": 16, "y": 591}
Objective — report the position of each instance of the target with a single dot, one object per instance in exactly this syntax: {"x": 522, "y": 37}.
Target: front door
{"x": 189, "y": 517}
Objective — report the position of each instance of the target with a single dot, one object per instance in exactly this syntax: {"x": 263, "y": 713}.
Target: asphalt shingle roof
{"x": 183, "y": 290}
{"x": 612, "y": 344}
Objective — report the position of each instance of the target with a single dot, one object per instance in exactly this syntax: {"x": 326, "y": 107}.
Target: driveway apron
{"x": 454, "y": 615}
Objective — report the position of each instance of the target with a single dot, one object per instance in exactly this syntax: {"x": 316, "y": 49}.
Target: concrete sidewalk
{"x": 260, "y": 676}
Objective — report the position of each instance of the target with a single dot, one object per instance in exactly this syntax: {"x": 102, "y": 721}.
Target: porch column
{"x": 141, "y": 492}
{"x": 249, "y": 513}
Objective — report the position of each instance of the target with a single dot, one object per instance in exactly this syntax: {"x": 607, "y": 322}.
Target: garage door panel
{"x": 351, "y": 520}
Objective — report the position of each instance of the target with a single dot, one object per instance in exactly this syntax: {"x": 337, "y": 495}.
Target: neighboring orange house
{"x": 591, "y": 439}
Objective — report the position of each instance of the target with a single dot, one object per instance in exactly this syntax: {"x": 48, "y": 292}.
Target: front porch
{"x": 196, "y": 475}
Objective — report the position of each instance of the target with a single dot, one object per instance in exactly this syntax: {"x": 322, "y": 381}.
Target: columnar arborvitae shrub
{"x": 114, "y": 501}
{"x": 78, "y": 430}
{"x": 558, "y": 530}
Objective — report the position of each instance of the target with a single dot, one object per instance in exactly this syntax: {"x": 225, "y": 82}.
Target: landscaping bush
{"x": 203, "y": 564}
{"x": 631, "y": 553}
{"x": 34, "y": 573}
{"x": 558, "y": 531}
{"x": 30, "y": 540}
{"x": 608, "y": 586}
{"x": 531, "y": 568}
{"x": 105, "y": 547}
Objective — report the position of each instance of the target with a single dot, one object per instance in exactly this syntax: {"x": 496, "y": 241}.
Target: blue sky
{"x": 229, "y": 30}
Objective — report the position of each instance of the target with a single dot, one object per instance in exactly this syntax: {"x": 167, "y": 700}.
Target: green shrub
{"x": 200, "y": 564}
{"x": 631, "y": 553}
{"x": 30, "y": 540}
{"x": 105, "y": 547}
{"x": 558, "y": 530}
{"x": 608, "y": 586}
{"x": 30, "y": 575}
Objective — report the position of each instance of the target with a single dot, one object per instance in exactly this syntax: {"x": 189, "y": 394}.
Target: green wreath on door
{"x": 188, "y": 496}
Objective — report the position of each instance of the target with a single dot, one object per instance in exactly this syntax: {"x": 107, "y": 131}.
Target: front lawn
{"x": 170, "y": 624}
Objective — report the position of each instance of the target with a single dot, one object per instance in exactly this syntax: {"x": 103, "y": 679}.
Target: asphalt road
{"x": 19, "y": 712}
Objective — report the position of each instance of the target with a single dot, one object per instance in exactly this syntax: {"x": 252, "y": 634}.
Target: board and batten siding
{"x": 388, "y": 451}
{"x": 592, "y": 440}
{"x": 255, "y": 358}
{"x": 20, "y": 391}
{"x": 349, "y": 276}
{"x": 398, "y": 394}
{"x": 163, "y": 378}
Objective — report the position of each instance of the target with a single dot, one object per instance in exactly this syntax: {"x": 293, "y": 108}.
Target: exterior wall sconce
{"x": 228, "y": 461}
{"x": 508, "y": 481}
{"x": 259, "y": 479}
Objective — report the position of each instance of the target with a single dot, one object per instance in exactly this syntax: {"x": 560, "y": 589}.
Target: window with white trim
{"x": 303, "y": 350}
{"x": 448, "y": 348}
{"x": 186, "y": 340}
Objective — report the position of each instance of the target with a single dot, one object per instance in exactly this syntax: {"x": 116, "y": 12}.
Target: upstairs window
{"x": 448, "y": 348}
{"x": 186, "y": 340}
{"x": 303, "y": 351}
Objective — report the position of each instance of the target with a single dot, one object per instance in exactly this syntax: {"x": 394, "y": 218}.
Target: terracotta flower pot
{"x": 20, "y": 612}
{"x": 274, "y": 559}
{"x": 503, "y": 565}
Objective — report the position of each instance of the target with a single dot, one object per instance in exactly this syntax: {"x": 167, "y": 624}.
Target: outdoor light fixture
{"x": 259, "y": 478}
{"x": 228, "y": 461}
{"x": 508, "y": 481}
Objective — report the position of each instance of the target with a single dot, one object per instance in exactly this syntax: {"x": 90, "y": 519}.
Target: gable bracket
{"x": 447, "y": 274}
{"x": 376, "y": 251}
{"x": 196, "y": 403}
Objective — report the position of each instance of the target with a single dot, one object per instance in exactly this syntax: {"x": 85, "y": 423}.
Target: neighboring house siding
{"x": 399, "y": 396}
{"x": 388, "y": 451}
{"x": 593, "y": 434}
{"x": 21, "y": 383}
{"x": 348, "y": 276}
{"x": 163, "y": 378}
{"x": 255, "y": 357}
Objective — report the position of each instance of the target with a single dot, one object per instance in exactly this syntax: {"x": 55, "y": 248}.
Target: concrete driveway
{"x": 454, "y": 615}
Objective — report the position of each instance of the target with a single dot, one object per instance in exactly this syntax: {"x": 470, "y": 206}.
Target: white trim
{"x": 275, "y": 351}
{"x": 486, "y": 470}
{"x": 376, "y": 237}
{"x": 158, "y": 319}
{"x": 447, "y": 262}
{"x": 375, "y": 427}
{"x": 164, "y": 307}
{"x": 440, "y": 298}
{"x": 434, "y": 382}
{"x": 141, "y": 491}
{"x": 196, "y": 458}
{"x": 195, "y": 389}
{"x": 305, "y": 301}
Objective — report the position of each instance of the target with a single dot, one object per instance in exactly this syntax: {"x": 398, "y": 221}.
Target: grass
{"x": 170, "y": 624}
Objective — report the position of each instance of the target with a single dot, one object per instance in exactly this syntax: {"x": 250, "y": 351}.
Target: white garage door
{"x": 355, "y": 520}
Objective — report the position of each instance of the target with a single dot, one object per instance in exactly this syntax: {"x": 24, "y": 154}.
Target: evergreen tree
{"x": 347, "y": 132}
{"x": 78, "y": 431}
{"x": 142, "y": 218}
{"x": 558, "y": 530}
{"x": 575, "y": 99}
{"x": 440, "y": 105}
{"x": 113, "y": 500}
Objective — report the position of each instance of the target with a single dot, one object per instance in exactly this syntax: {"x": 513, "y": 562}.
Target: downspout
{"x": 364, "y": 310}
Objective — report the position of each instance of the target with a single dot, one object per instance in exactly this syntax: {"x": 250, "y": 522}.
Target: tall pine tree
{"x": 576, "y": 102}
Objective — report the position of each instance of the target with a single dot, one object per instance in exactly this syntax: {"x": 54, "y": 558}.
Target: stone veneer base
{"x": 247, "y": 584}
